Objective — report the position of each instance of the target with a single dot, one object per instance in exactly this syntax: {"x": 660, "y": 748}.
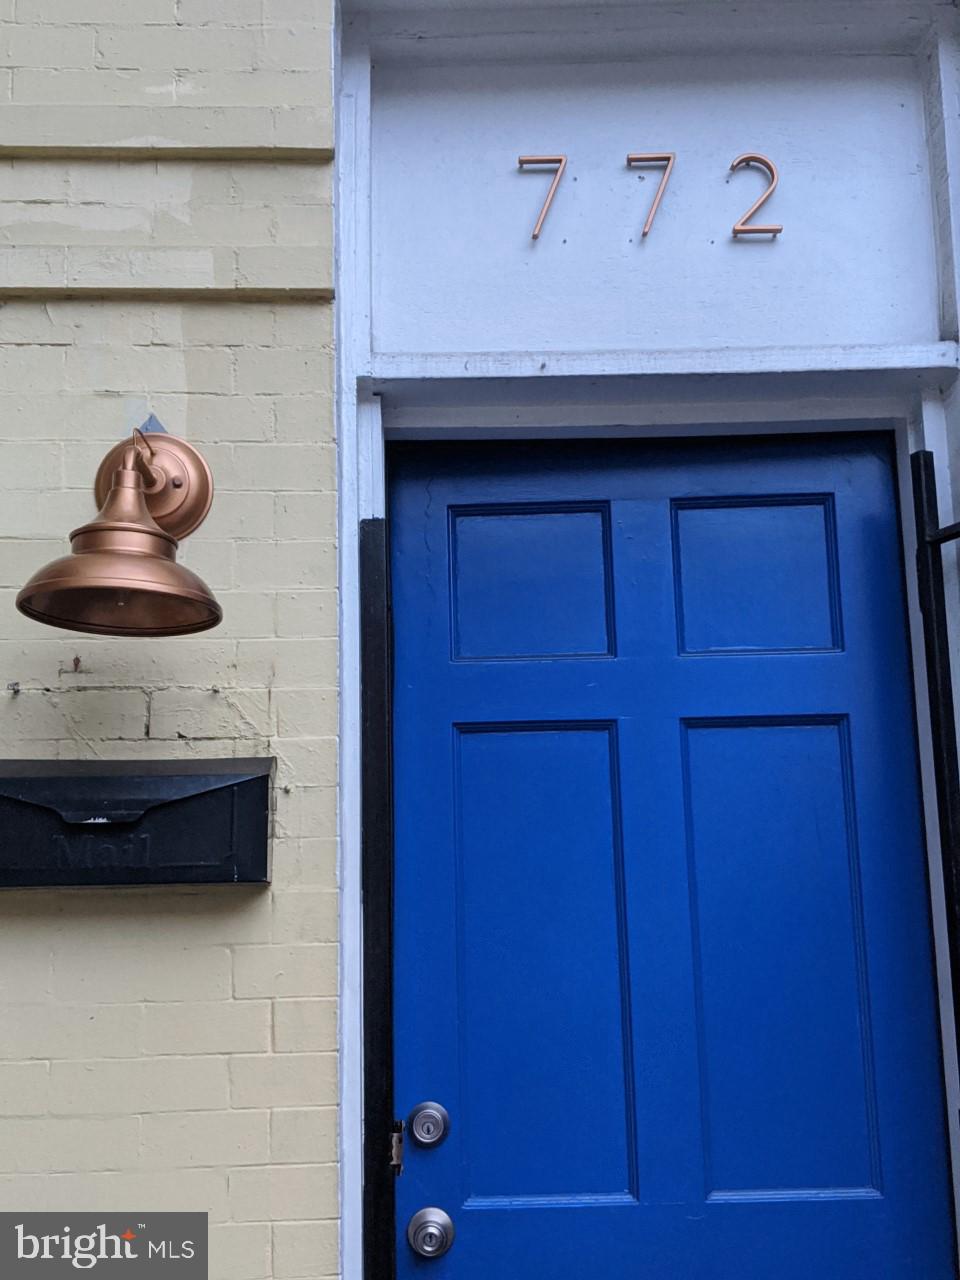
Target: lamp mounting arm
{"x": 177, "y": 483}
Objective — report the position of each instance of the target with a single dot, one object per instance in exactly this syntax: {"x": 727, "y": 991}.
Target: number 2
{"x": 742, "y": 226}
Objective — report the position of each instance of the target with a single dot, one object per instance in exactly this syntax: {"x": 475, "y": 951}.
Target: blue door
{"x": 662, "y": 936}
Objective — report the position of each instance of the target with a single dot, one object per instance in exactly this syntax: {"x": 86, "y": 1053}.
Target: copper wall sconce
{"x": 121, "y": 577}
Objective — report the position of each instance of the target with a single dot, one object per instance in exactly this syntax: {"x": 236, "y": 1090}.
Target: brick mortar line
{"x": 159, "y": 294}
{"x": 319, "y": 156}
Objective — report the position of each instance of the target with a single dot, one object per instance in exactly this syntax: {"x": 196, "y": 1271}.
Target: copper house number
{"x": 742, "y": 227}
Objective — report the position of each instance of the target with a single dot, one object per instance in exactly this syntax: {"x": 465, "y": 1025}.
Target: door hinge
{"x": 396, "y": 1147}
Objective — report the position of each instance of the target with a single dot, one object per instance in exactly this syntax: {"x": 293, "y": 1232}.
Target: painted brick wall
{"x": 165, "y": 247}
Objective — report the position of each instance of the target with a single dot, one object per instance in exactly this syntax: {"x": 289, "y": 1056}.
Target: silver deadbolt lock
{"x": 430, "y": 1233}
{"x": 428, "y": 1124}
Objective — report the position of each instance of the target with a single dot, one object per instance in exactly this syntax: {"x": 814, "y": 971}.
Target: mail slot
{"x": 153, "y": 822}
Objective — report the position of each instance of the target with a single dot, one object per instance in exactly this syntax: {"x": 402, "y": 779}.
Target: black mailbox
{"x": 124, "y": 822}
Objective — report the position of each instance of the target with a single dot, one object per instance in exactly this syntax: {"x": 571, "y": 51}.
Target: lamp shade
{"x": 121, "y": 577}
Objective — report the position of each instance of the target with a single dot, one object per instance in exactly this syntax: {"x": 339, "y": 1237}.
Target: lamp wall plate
{"x": 181, "y": 490}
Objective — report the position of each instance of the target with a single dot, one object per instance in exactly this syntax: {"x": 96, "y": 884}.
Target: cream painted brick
{"x": 286, "y": 564}
{"x": 299, "y": 224}
{"x": 286, "y": 266}
{"x": 28, "y": 514}
{"x": 81, "y": 373}
{"x": 209, "y": 128}
{"x": 293, "y": 664}
{"x": 112, "y": 713}
{"x": 305, "y": 1250}
{"x": 92, "y": 88}
{"x": 167, "y": 972}
{"x": 299, "y": 712}
{"x": 305, "y": 515}
{"x": 216, "y": 563}
{"x": 23, "y": 223}
{"x": 24, "y": 1088}
{"x": 59, "y": 1145}
{"x": 188, "y": 1140}
{"x": 168, "y": 222}
{"x": 283, "y": 1080}
{"x": 255, "y": 88}
{"x": 26, "y": 963}
{"x": 303, "y": 1135}
{"x": 232, "y": 224}
{"x": 302, "y": 1026}
{"x": 141, "y": 369}
{"x": 103, "y": 714}
{"x": 206, "y": 749}
{"x": 297, "y": 417}
{"x": 306, "y": 811}
{"x": 285, "y": 971}
{"x": 139, "y": 1086}
{"x": 240, "y": 12}
{"x": 247, "y": 613}
{"x": 305, "y": 915}
{"x": 115, "y": 662}
{"x": 241, "y": 324}
{"x": 31, "y": 368}
{"x": 33, "y": 46}
{"x": 131, "y": 323}
{"x": 186, "y": 48}
{"x": 307, "y": 613}
{"x": 75, "y": 1031}
{"x": 34, "y": 268}
{"x": 18, "y": 560}
{"x": 177, "y": 917}
{"x": 307, "y": 861}
{"x": 183, "y": 1190}
{"x": 284, "y": 1192}
{"x": 215, "y": 418}
{"x": 25, "y": 465}
{"x": 240, "y": 1251}
{"x": 281, "y": 371}
{"x": 160, "y": 268}
{"x": 24, "y": 322}
{"x": 228, "y": 1026}
{"x": 245, "y": 515}
{"x": 312, "y": 761}
{"x": 296, "y": 47}
{"x": 52, "y": 664}
{"x": 302, "y": 184}
{"x": 306, "y": 325}
{"x": 201, "y": 713}
{"x": 278, "y": 12}
{"x": 283, "y": 466}
{"x": 129, "y": 12}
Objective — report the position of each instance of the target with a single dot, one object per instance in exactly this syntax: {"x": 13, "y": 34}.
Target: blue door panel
{"x": 662, "y": 939}
{"x": 540, "y": 865}
{"x": 785, "y": 1048}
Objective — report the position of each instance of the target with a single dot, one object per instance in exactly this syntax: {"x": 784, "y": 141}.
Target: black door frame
{"x": 376, "y": 768}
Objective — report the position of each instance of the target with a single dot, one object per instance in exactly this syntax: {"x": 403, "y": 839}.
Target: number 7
{"x": 653, "y": 157}
{"x": 561, "y": 163}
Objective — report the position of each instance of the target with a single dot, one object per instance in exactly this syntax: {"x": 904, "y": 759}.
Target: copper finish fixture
{"x": 743, "y": 226}
{"x": 561, "y": 163}
{"x": 122, "y": 577}
{"x": 667, "y": 158}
